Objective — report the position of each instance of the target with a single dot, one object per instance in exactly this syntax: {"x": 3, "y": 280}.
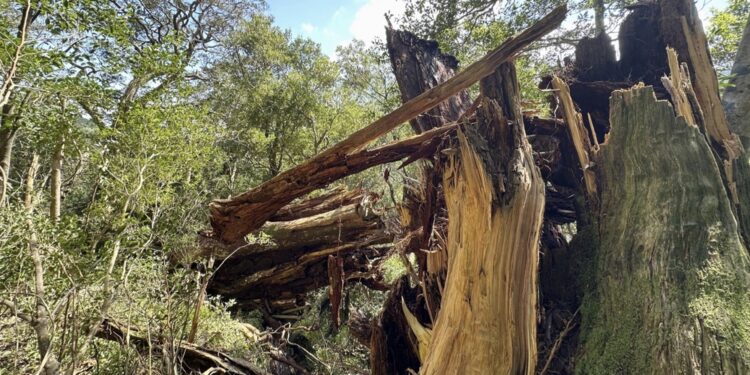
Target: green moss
{"x": 621, "y": 333}
{"x": 617, "y": 346}
{"x": 393, "y": 268}
{"x": 584, "y": 248}
{"x": 611, "y": 333}
{"x": 722, "y": 301}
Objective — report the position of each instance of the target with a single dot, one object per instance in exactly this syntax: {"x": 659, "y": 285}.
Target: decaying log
{"x": 232, "y": 219}
{"x": 289, "y": 258}
{"x": 336, "y": 197}
{"x": 495, "y": 199}
{"x": 669, "y": 273}
{"x": 194, "y": 358}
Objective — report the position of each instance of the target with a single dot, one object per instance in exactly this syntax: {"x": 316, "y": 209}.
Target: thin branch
{"x": 7, "y": 88}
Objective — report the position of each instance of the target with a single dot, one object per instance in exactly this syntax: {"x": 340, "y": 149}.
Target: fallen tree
{"x": 660, "y": 281}
{"x": 288, "y": 256}
{"x": 194, "y": 358}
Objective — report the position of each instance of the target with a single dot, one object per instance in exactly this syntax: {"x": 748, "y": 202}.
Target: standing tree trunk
{"x": 42, "y": 321}
{"x": 56, "y": 181}
{"x": 7, "y": 139}
{"x": 495, "y": 199}
{"x": 599, "y": 14}
{"x": 28, "y": 199}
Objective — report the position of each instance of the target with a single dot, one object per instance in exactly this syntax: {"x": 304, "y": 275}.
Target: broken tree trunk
{"x": 737, "y": 95}
{"x": 737, "y": 105}
{"x": 669, "y": 277}
{"x": 495, "y": 199}
{"x": 418, "y": 65}
{"x": 232, "y": 219}
{"x": 290, "y": 257}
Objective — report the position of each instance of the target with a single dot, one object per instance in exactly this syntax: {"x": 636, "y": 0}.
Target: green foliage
{"x": 155, "y": 119}
{"x": 725, "y": 33}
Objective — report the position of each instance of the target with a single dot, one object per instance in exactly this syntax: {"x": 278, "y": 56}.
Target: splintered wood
{"x": 291, "y": 256}
{"x": 686, "y": 103}
{"x": 577, "y": 132}
{"x": 495, "y": 199}
{"x": 677, "y": 84}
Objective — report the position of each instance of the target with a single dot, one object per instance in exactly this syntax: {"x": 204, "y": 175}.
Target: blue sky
{"x": 335, "y": 22}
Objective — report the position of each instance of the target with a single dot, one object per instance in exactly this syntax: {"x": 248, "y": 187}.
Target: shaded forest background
{"x": 122, "y": 120}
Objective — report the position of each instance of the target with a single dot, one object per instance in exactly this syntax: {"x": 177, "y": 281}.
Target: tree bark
{"x": 42, "y": 322}
{"x": 7, "y": 139}
{"x": 737, "y": 95}
{"x": 56, "y": 181}
{"x": 28, "y": 199}
{"x": 669, "y": 277}
{"x": 495, "y": 199}
{"x": 599, "y": 14}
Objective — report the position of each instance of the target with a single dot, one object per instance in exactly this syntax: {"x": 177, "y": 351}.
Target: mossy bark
{"x": 668, "y": 273}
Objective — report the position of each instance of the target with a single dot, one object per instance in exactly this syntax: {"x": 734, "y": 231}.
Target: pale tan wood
{"x": 577, "y": 133}
{"x": 674, "y": 84}
{"x": 495, "y": 199}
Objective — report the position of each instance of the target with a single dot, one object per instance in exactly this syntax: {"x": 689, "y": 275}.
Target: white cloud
{"x": 307, "y": 28}
{"x": 369, "y": 20}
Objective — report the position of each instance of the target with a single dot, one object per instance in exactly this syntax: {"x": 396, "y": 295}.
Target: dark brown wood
{"x": 289, "y": 258}
{"x": 393, "y": 347}
{"x": 419, "y": 65}
{"x": 336, "y": 282}
{"x": 360, "y": 327}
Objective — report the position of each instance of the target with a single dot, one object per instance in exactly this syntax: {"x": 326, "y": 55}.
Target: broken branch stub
{"x": 232, "y": 219}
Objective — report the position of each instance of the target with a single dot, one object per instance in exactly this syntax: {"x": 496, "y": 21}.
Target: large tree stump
{"x": 669, "y": 279}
